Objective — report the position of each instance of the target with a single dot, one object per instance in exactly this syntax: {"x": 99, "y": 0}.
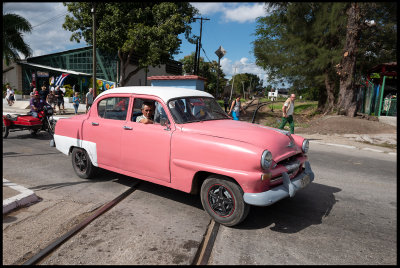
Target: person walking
{"x": 60, "y": 99}
{"x": 288, "y": 109}
{"x": 43, "y": 93}
{"x": 226, "y": 103}
{"x": 89, "y": 99}
{"x": 75, "y": 101}
{"x": 10, "y": 95}
{"x": 51, "y": 99}
{"x": 236, "y": 107}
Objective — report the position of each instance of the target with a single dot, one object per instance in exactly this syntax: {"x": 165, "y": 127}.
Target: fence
{"x": 371, "y": 100}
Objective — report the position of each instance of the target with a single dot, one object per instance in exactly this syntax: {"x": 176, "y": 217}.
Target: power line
{"x": 47, "y": 21}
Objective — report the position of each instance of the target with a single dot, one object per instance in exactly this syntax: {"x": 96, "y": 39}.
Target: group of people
{"x": 55, "y": 98}
{"x": 287, "y": 110}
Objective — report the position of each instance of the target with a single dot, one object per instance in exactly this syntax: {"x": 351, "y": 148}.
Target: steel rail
{"x": 57, "y": 242}
{"x": 204, "y": 251}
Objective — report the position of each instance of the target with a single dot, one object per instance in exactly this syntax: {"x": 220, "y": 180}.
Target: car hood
{"x": 279, "y": 142}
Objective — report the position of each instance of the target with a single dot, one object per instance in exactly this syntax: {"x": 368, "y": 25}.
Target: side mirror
{"x": 165, "y": 123}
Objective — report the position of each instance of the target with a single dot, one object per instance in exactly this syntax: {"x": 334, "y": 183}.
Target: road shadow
{"x": 291, "y": 215}
{"x": 15, "y": 135}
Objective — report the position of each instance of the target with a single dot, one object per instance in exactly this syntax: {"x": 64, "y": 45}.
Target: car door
{"x": 104, "y": 127}
{"x": 146, "y": 147}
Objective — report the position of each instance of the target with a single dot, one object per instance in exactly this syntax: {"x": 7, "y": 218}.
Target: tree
{"x": 357, "y": 23}
{"x": 306, "y": 44}
{"x": 13, "y": 43}
{"x": 207, "y": 70}
{"x": 142, "y": 33}
{"x": 246, "y": 84}
{"x": 300, "y": 42}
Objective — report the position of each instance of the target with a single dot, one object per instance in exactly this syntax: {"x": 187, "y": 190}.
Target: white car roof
{"x": 165, "y": 93}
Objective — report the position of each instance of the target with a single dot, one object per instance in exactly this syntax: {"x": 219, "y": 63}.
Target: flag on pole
{"x": 60, "y": 79}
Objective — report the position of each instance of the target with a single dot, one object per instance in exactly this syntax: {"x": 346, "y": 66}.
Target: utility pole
{"x": 94, "y": 49}
{"x": 198, "y": 56}
{"x": 244, "y": 94}
{"x": 233, "y": 81}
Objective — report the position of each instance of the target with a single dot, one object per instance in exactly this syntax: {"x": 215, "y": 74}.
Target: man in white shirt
{"x": 89, "y": 99}
{"x": 288, "y": 109}
{"x": 147, "y": 117}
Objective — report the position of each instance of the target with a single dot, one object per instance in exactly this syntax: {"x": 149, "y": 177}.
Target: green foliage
{"x": 143, "y": 32}
{"x": 69, "y": 92}
{"x": 13, "y": 28}
{"x": 208, "y": 70}
{"x": 303, "y": 43}
{"x": 249, "y": 83}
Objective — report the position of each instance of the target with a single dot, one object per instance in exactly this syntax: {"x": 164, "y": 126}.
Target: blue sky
{"x": 231, "y": 25}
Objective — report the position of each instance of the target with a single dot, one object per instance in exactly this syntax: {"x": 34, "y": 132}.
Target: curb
{"x": 25, "y": 197}
{"x": 354, "y": 147}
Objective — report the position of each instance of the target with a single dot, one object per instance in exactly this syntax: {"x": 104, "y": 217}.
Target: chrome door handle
{"x": 95, "y": 124}
{"x": 127, "y": 128}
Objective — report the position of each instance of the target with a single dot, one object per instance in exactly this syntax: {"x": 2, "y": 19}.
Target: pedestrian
{"x": 288, "y": 109}
{"x": 51, "y": 99}
{"x": 10, "y": 95}
{"x": 226, "y": 103}
{"x": 43, "y": 93}
{"x": 236, "y": 107}
{"x": 75, "y": 101}
{"x": 32, "y": 94}
{"x": 89, "y": 99}
{"x": 60, "y": 99}
{"x": 31, "y": 87}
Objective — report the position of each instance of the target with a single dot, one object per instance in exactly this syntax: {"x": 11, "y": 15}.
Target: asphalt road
{"x": 347, "y": 216}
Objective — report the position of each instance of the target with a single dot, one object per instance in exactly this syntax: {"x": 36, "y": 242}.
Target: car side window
{"x": 113, "y": 108}
{"x": 158, "y": 113}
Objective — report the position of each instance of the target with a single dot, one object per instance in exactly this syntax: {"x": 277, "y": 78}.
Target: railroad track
{"x": 201, "y": 257}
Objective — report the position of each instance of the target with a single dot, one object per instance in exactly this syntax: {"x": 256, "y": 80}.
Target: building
{"x": 76, "y": 65}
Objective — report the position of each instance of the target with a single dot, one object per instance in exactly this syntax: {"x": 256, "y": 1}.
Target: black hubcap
{"x": 221, "y": 200}
{"x": 81, "y": 161}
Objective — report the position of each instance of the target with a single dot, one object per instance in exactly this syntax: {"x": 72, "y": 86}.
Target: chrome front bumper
{"x": 287, "y": 189}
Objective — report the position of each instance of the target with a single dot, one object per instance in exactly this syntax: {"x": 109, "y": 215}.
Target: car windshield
{"x": 195, "y": 109}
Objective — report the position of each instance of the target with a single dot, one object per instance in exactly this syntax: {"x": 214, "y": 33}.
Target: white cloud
{"x": 46, "y": 19}
{"x": 233, "y": 12}
{"x": 242, "y": 66}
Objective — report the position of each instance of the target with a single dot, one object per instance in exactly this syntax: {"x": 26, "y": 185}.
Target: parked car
{"x": 192, "y": 146}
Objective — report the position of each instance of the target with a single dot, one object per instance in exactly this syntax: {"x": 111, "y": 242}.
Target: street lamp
{"x": 220, "y": 53}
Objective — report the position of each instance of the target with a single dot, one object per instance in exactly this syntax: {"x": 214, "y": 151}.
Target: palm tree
{"x": 13, "y": 27}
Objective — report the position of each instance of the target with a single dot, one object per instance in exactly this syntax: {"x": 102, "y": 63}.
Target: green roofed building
{"x": 76, "y": 65}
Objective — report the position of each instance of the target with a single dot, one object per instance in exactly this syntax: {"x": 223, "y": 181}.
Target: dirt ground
{"x": 361, "y": 128}
{"x": 320, "y": 124}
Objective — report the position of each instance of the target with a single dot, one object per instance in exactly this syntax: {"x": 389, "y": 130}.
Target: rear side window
{"x": 113, "y": 108}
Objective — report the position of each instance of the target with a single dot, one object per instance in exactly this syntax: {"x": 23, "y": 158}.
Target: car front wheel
{"x": 223, "y": 200}
{"x": 81, "y": 162}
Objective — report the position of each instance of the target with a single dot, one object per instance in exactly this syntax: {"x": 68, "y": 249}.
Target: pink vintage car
{"x": 192, "y": 146}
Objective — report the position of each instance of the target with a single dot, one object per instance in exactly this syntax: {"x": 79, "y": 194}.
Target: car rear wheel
{"x": 82, "y": 165}
{"x": 223, "y": 200}
{"x": 6, "y": 130}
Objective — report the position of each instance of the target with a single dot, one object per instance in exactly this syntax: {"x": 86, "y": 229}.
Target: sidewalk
{"x": 15, "y": 196}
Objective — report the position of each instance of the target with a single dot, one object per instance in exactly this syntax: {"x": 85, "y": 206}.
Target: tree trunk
{"x": 125, "y": 62}
{"x": 330, "y": 93}
{"x": 346, "y": 70}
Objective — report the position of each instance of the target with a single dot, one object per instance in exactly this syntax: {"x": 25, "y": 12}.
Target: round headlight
{"x": 305, "y": 146}
{"x": 266, "y": 159}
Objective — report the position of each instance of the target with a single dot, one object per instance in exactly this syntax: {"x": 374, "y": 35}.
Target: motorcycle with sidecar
{"x": 17, "y": 122}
